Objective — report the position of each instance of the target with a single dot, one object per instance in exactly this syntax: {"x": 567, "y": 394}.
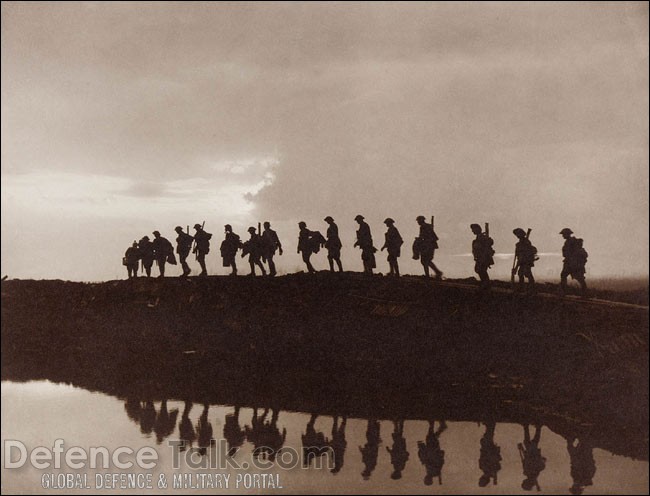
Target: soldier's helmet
{"x": 156, "y": 233}
{"x": 475, "y": 227}
{"x": 566, "y": 230}
{"x": 519, "y": 232}
{"x": 197, "y": 226}
{"x": 359, "y": 217}
{"x": 328, "y": 219}
{"x": 178, "y": 229}
{"x": 145, "y": 238}
{"x": 251, "y": 229}
{"x": 420, "y": 218}
{"x": 135, "y": 244}
{"x": 389, "y": 221}
{"x": 302, "y": 224}
{"x": 267, "y": 224}
{"x": 228, "y": 227}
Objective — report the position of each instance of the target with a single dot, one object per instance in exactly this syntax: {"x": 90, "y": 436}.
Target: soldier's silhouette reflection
{"x": 204, "y": 429}
{"x": 185, "y": 428}
{"x": 398, "y": 454}
{"x": 430, "y": 454}
{"x": 265, "y": 435}
{"x": 338, "y": 443}
{"x": 233, "y": 433}
{"x": 147, "y": 418}
{"x": 165, "y": 422}
{"x": 531, "y": 458}
{"x": 314, "y": 444}
{"x": 370, "y": 451}
{"x": 490, "y": 460}
{"x": 133, "y": 409}
{"x": 583, "y": 465}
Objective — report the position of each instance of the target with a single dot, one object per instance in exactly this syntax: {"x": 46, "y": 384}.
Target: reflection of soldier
{"x": 364, "y": 241}
{"x": 575, "y": 259}
{"x": 132, "y": 259}
{"x": 183, "y": 248}
{"x": 393, "y": 243}
{"x": 145, "y": 248}
{"x": 185, "y": 428}
{"x": 398, "y": 454}
{"x": 483, "y": 252}
{"x": 165, "y": 422}
{"x": 531, "y": 458}
{"x": 254, "y": 249}
{"x": 333, "y": 245}
{"x": 133, "y": 409}
{"x": 147, "y": 418}
{"x": 265, "y": 435}
{"x": 162, "y": 250}
{"x": 314, "y": 444}
{"x": 425, "y": 246}
{"x": 201, "y": 247}
{"x": 370, "y": 451}
{"x": 430, "y": 454}
{"x": 306, "y": 245}
{"x": 583, "y": 465}
{"x": 229, "y": 247}
{"x": 490, "y": 460}
{"x": 204, "y": 429}
{"x": 338, "y": 444}
{"x": 271, "y": 243}
{"x": 233, "y": 433}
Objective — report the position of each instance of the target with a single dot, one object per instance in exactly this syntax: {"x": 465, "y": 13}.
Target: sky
{"x": 120, "y": 118}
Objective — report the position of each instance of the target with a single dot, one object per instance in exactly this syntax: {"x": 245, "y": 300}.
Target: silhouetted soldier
{"x": 271, "y": 243}
{"x": 583, "y": 465}
{"x": 132, "y": 259}
{"x": 162, "y": 249}
{"x": 393, "y": 243}
{"x": 229, "y": 247}
{"x": 531, "y": 458}
{"x": 254, "y": 433}
{"x": 201, "y": 247}
{"x": 185, "y": 428}
{"x": 145, "y": 247}
{"x": 268, "y": 440}
{"x": 314, "y": 444}
{"x": 147, "y": 418}
{"x": 338, "y": 444}
{"x": 133, "y": 409}
{"x": 165, "y": 422}
{"x": 398, "y": 454}
{"x": 490, "y": 460}
{"x": 483, "y": 254}
{"x": 333, "y": 244}
{"x": 306, "y": 245}
{"x": 233, "y": 433}
{"x": 525, "y": 256}
{"x": 183, "y": 248}
{"x": 575, "y": 259}
{"x": 425, "y": 246}
{"x": 254, "y": 249}
{"x": 364, "y": 241}
{"x": 370, "y": 451}
{"x": 430, "y": 454}
{"x": 204, "y": 429}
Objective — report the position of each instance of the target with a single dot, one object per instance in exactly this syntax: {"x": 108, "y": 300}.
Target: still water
{"x": 296, "y": 452}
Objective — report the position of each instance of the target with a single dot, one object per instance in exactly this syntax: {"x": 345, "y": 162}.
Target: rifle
{"x": 487, "y": 229}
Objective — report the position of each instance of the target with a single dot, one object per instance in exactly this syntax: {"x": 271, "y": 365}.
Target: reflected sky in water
{"x": 38, "y": 413}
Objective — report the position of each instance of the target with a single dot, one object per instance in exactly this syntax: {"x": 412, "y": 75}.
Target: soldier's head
{"x": 396, "y": 475}
{"x": 576, "y": 489}
{"x": 178, "y": 229}
{"x": 389, "y": 221}
{"x": 145, "y": 238}
{"x": 302, "y": 224}
{"x": 428, "y": 480}
{"x": 135, "y": 244}
{"x": 228, "y": 228}
{"x": 528, "y": 484}
{"x": 252, "y": 230}
{"x": 198, "y": 227}
{"x": 267, "y": 224}
{"x": 156, "y": 234}
{"x": 519, "y": 232}
{"x": 484, "y": 480}
{"x": 328, "y": 219}
{"x": 359, "y": 218}
{"x": 566, "y": 233}
{"x": 476, "y": 228}
{"x": 420, "y": 219}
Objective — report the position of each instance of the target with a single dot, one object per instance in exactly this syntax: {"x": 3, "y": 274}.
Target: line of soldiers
{"x": 262, "y": 246}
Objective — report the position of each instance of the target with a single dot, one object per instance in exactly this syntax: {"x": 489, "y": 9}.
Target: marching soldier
{"x": 229, "y": 247}
{"x": 201, "y": 247}
{"x": 364, "y": 241}
{"x": 483, "y": 254}
{"x": 575, "y": 259}
{"x": 393, "y": 243}
{"x": 183, "y": 248}
{"x": 525, "y": 256}
{"x": 145, "y": 247}
{"x": 425, "y": 246}
{"x": 253, "y": 248}
{"x": 132, "y": 259}
{"x": 333, "y": 245}
{"x": 271, "y": 243}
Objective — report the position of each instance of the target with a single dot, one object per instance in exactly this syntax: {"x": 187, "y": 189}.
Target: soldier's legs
{"x": 338, "y": 262}
{"x": 234, "y": 267}
{"x": 129, "y": 271}
{"x": 252, "y": 264}
{"x": 330, "y": 260}
{"x": 261, "y": 266}
{"x": 305, "y": 258}
{"x": 272, "y": 271}
{"x": 426, "y": 264}
{"x": 186, "y": 268}
{"x": 433, "y": 266}
{"x": 147, "y": 268}
{"x": 161, "y": 267}
{"x": 200, "y": 257}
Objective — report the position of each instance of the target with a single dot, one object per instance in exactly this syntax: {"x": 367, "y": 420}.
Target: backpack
{"x": 581, "y": 253}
